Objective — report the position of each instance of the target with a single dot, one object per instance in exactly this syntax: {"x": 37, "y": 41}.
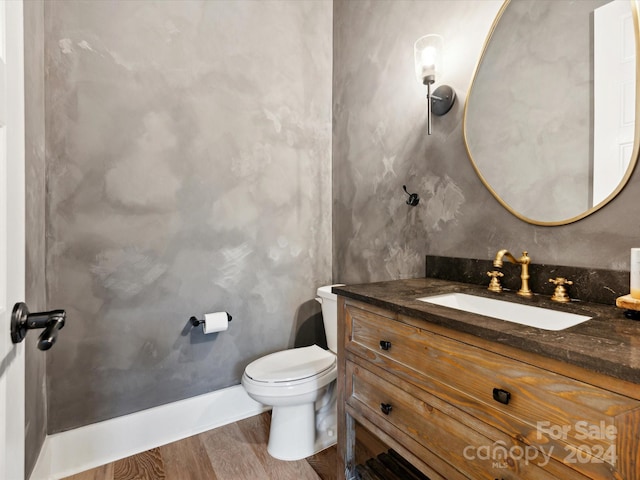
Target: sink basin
{"x": 531, "y": 316}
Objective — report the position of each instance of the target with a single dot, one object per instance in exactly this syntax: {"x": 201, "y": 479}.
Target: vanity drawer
{"x": 544, "y": 408}
{"x": 424, "y": 418}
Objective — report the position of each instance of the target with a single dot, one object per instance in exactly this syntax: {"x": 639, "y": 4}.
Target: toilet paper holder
{"x": 195, "y": 322}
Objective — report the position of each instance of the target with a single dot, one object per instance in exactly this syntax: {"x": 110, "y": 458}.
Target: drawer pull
{"x": 385, "y": 344}
{"x": 386, "y": 408}
{"x": 501, "y": 396}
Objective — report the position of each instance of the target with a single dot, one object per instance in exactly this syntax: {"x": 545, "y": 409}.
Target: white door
{"x": 12, "y": 237}
{"x": 613, "y": 96}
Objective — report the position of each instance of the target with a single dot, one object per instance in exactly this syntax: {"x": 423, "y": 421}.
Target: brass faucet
{"x": 524, "y": 260}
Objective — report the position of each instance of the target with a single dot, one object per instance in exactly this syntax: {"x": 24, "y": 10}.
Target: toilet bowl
{"x": 299, "y": 384}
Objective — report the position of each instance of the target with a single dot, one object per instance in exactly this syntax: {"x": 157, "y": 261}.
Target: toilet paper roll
{"x": 215, "y": 322}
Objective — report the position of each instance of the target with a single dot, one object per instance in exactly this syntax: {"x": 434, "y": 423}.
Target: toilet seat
{"x": 290, "y": 367}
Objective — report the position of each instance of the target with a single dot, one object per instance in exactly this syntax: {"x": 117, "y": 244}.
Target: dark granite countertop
{"x": 609, "y": 343}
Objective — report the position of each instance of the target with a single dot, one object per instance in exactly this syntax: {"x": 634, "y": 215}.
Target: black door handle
{"x": 385, "y": 344}
{"x": 386, "y": 408}
{"x": 23, "y": 321}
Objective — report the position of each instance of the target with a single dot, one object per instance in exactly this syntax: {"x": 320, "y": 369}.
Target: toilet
{"x": 300, "y": 386}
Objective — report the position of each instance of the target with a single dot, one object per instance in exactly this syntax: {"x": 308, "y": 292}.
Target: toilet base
{"x": 293, "y": 434}
{"x": 299, "y": 431}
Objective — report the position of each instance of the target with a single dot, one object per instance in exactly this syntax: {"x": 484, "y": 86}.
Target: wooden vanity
{"x": 452, "y": 395}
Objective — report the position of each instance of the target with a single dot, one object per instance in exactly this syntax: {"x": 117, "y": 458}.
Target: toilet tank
{"x": 329, "y": 302}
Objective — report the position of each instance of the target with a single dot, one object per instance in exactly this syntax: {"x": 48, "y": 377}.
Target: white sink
{"x": 511, "y": 312}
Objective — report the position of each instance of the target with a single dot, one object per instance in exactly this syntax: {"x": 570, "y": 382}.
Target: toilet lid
{"x": 290, "y": 365}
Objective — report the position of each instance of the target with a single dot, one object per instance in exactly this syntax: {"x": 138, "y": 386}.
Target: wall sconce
{"x": 428, "y": 59}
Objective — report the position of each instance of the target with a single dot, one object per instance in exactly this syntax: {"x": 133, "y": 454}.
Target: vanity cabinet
{"x": 457, "y": 409}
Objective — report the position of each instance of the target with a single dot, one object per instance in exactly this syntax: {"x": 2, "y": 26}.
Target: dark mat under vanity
{"x": 388, "y": 466}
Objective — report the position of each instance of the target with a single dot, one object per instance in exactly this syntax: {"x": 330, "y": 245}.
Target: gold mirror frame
{"x": 636, "y": 142}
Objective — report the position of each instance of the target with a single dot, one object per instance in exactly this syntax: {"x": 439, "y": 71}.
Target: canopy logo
{"x": 503, "y": 456}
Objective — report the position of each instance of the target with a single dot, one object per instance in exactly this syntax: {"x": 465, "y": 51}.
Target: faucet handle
{"x": 494, "y": 284}
{"x": 560, "y": 293}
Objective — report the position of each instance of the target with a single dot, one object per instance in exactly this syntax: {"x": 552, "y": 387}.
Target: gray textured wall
{"x": 380, "y": 143}
{"x": 35, "y": 288}
{"x": 189, "y": 170}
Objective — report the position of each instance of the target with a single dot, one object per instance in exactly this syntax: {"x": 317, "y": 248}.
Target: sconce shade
{"x": 428, "y": 58}
{"x": 428, "y": 62}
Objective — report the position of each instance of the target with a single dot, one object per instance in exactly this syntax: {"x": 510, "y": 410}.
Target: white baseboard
{"x": 80, "y": 449}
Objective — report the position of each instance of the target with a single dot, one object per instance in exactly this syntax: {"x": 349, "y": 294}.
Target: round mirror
{"x": 549, "y": 122}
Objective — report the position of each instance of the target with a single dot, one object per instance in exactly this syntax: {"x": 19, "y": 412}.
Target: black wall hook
{"x": 414, "y": 199}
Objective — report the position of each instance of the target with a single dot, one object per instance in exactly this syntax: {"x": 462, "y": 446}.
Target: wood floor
{"x": 236, "y": 451}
